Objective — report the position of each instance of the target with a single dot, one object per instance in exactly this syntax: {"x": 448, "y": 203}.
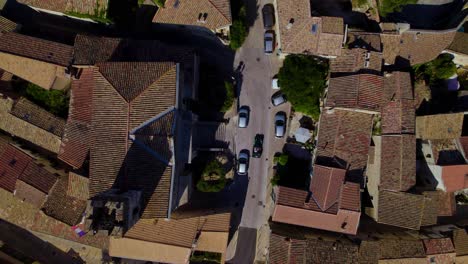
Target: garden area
{"x": 290, "y": 171}
{"x": 54, "y": 101}
{"x": 303, "y": 80}
{"x": 239, "y": 28}
{"x": 387, "y": 7}
{"x": 212, "y": 171}
{"x": 205, "y": 257}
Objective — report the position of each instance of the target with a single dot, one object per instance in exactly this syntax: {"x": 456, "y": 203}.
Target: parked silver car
{"x": 278, "y": 99}
{"x": 269, "y": 42}
{"x": 243, "y": 117}
{"x": 280, "y": 124}
{"x": 243, "y": 162}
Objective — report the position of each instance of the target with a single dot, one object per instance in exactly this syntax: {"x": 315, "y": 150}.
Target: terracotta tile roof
{"x": 415, "y": 46}
{"x": 464, "y": 144}
{"x": 350, "y": 197}
{"x": 294, "y": 206}
{"x": 399, "y": 249}
{"x": 344, "y": 140}
{"x": 364, "y": 40}
{"x": 7, "y": 25}
{"x": 35, "y": 48}
{"x": 441, "y": 126}
{"x": 460, "y": 240}
{"x": 119, "y": 162}
{"x": 369, "y": 252}
{"x": 400, "y": 209}
{"x": 459, "y": 43}
{"x": 89, "y": 50}
{"x": 38, "y": 177}
{"x": 34, "y": 114}
{"x": 279, "y": 249}
{"x": 431, "y": 208}
{"x": 447, "y": 204}
{"x": 77, "y": 136}
{"x": 25, "y": 130}
{"x": 29, "y": 194}
{"x": 446, "y": 152}
{"x": 334, "y": 252}
{"x": 78, "y": 186}
{"x": 300, "y": 38}
{"x": 62, "y": 207}
{"x": 398, "y": 166}
{"x": 398, "y": 112}
{"x": 326, "y": 185}
{"x": 438, "y": 246}
{"x": 180, "y": 232}
{"x": 455, "y": 177}
{"x": 361, "y": 91}
{"x": 12, "y": 164}
{"x": 64, "y": 6}
{"x": 354, "y": 60}
{"x": 184, "y": 12}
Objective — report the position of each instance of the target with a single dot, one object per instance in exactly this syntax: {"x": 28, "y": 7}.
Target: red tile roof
{"x": 398, "y": 166}
{"x": 285, "y": 250}
{"x": 293, "y": 206}
{"x": 29, "y": 194}
{"x": 401, "y": 209}
{"x": 464, "y": 145}
{"x": 326, "y": 185}
{"x": 137, "y": 163}
{"x": 64, "y": 6}
{"x": 12, "y": 164}
{"x": 447, "y": 204}
{"x": 455, "y": 177}
{"x": 398, "y": 113}
{"x": 77, "y": 136}
{"x": 438, "y": 246}
{"x": 38, "y": 177}
{"x": 188, "y": 13}
{"x": 441, "y": 126}
{"x": 460, "y": 240}
{"x": 361, "y": 91}
{"x": 35, "y": 48}
{"x": 354, "y": 60}
{"x": 344, "y": 140}
{"x": 350, "y": 197}
{"x": 298, "y": 36}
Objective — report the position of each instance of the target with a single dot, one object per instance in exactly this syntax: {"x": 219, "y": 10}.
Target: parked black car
{"x": 258, "y": 146}
{"x": 268, "y": 12}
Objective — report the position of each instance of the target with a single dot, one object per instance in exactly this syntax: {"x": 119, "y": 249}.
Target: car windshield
{"x": 242, "y": 160}
{"x": 243, "y": 114}
{"x": 279, "y": 122}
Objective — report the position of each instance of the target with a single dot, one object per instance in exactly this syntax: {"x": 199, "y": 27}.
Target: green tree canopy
{"x": 441, "y": 68}
{"x": 389, "y": 6}
{"x": 302, "y": 79}
{"x": 213, "y": 178}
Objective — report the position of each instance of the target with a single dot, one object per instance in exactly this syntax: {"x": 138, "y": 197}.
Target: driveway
{"x": 255, "y": 92}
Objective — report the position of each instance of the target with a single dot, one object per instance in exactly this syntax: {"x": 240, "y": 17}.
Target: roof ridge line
{"x": 158, "y": 79}
{"x": 220, "y": 10}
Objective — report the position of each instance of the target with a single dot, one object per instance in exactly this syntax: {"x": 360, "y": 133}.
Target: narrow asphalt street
{"x": 256, "y": 92}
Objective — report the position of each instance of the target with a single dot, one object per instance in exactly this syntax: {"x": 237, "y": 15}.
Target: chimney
{"x": 290, "y": 24}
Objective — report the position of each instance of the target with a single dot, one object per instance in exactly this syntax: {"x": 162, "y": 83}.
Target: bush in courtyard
{"x": 281, "y": 159}
{"x": 440, "y": 68}
{"x": 302, "y": 79}
{"x": 213, "y": 178}
{"x": 389, "y": 6}
{"x": 239, "y": 30}
{"x": 229, "y": 98}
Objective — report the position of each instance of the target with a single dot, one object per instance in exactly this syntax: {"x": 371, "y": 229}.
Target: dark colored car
{"x": 258, "y": 146}
{"x": 268, "y": 12}
{"x": 269, "y": 42}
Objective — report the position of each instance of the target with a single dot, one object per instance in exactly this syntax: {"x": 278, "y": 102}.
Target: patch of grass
{"x": 239, "y": 30}
{"x": 54, "y": 101}
{"x": 358, "y": 3}
{"x": 99, "y": 15}
{"x": 302, "y": 79}
{"x": 387, "y": 7}
{"x": 205, "y": 257}
{"x": 160, "y": 3}
{"x": 213, "y": 178}
{"x": 281, "y": 159}
{"x": 229, "y": 98}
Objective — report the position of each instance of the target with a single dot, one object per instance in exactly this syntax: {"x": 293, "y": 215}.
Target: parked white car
{"x": 274, "y": 84}
{"x": 243, "y": 117}
{"x": 243, "y": 162}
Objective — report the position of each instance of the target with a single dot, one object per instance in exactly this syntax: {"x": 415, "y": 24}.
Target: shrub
{"x": 281, "y": 159}
{"x": 229, "y": 98}
{"x": 389, "y": 6}
{"x": 213, "y": 178}
{"x": 54, "y": 101}
{"x": 302, "y": 79}
{"x": 275, "y": 179}
{"x": 239, "y": 30}
{"x": 205, "y": 257}
{"x": 440, "y": 68}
